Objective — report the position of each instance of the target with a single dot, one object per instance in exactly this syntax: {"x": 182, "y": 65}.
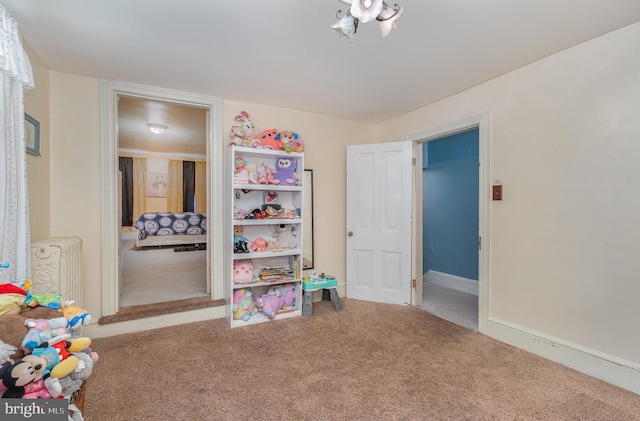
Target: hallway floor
{"x": 455, "y": 306}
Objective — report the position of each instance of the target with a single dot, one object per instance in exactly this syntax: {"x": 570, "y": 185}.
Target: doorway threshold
{"x": 157, "y": 309}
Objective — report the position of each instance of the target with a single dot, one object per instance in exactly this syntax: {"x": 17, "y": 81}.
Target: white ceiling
{"x": 283, "y": 52}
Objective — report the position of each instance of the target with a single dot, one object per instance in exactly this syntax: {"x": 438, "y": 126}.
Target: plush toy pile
{"x": 246, "y": 135}
{"x": 42, "y": 351}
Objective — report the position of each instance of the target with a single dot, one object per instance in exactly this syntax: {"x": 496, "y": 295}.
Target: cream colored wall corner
{"x": 36, "y": 104}
{"x": 564, "y": 241}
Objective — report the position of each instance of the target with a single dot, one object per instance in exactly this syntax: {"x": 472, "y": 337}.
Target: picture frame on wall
{"x": 157, "y": 183}
{"x": 31, "y": 135}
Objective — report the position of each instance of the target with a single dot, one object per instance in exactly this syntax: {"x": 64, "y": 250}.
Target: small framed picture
{"x": 32, "y": 135}
{"x": 157, "y": 183}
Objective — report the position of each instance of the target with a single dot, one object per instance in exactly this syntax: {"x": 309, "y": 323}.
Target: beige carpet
{"x": 154, "y": 275}
{"x": 367, "y": 362}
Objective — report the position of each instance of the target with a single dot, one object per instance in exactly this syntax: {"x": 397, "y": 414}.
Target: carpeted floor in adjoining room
{"x": 369, "y": 361}
{"x": 155, "y": 275}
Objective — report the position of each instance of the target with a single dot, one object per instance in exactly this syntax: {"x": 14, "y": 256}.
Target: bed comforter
{"x": 171, "y": 223}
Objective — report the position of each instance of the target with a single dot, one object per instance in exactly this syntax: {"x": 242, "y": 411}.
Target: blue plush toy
{"x": 286, "y": 172}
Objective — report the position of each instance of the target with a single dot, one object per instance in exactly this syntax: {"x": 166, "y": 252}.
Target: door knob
{"x": 350, "y": 233}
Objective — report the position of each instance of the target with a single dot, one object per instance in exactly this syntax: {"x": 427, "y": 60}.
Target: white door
{"x": 379, "y": 188}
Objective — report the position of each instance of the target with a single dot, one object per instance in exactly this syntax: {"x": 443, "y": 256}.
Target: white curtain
{"x": 15, "y": 77}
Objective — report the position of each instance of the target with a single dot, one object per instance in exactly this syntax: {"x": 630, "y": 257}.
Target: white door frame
{"x": 109, "y": 92}
{"x": 480, "y": 121}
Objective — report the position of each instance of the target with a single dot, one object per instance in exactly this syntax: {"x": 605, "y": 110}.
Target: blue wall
{"x": 450, "y": 205}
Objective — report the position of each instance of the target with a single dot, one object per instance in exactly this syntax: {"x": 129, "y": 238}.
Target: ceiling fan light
{"x": 346, "y": 26}
{"x": 388, "y": 18}
{"x": 156, "y": 128}
{"x": 366, "y": 10}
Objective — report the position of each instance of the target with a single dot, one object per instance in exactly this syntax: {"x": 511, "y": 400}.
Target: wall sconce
{"x": 156, "y": 128}
{"x": 366, "y": 11}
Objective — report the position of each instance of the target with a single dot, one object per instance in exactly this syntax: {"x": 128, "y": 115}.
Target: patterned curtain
{"x": 16, "y": 76}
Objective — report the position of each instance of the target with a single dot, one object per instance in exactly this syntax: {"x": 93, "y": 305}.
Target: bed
{"x": 171, "y": 228}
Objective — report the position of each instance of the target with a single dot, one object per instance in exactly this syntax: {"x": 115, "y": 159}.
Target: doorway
{"x": 450, "y": 221}
{"x": 479, "y": 122}
{"x": 162, "y": 156}
{"x": 215, "y": 152}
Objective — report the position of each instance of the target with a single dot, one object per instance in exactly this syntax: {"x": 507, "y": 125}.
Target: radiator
{"x": 56, "y": 267}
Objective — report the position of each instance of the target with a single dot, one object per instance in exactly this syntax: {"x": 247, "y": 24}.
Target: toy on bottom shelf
{"x": 286, "y": 172}
{"x": 243, "y": 305}
{"x": 275, "y": 299}
{"x": 286, "y": 292}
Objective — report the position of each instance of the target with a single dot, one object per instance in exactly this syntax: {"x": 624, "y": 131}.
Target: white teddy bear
{"x": 286, "y": 235}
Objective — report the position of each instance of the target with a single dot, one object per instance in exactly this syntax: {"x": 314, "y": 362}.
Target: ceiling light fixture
{"x": 366, "y": 11}
{"x": 157, "y": 128}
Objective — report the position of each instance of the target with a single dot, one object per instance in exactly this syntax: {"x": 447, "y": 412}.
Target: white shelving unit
{"x": 248, "y": 196}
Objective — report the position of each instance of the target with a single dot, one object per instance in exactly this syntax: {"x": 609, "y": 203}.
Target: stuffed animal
{"x": 290, "y": 141}
{"x": 42, "y": 330}
{"x": 58, "y": 361}
{"x": 288, "y": 211}
{"x": 261, "y": 172}
{"x": 240, "y": 172}
{"x": 242, "y": 271}
{"x": 243, "y": 306}
{"x": 270, "y": 176}
{"x": 269, "y": 305}
{"x": 237, "y": 136}
{"x": 250, "y": 132}
{"x": 6, "y": 351}
{"x": 71, "y": 383}
{"x": 13, "y": 328}
{"x": 267, "y": 139}
{"x": 11, "y": 299}
{"x": 239, "y": 241}
{"x": 286, "y": 235}
{"x": 29, "y": 369}
{"x": 76, "y": 317}
{"x": 286, "y": 293}
{"x": 259, "y": 245}
{"x": 286, "y": 172}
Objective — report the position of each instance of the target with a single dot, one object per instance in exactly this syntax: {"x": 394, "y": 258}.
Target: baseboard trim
{"x": 617, "y": 371}
{"x": 452, "y": 281}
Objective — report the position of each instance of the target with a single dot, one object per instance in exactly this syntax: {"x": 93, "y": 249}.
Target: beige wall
{"x": 36, "y": 104}
{"x": 564, "y": 242}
